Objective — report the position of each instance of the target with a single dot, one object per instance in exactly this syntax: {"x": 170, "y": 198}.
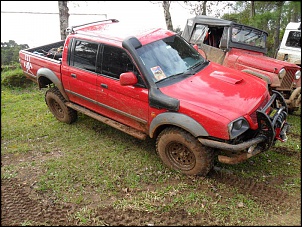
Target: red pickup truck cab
{"x": 242, "y": 47}
{"x": 153, "y": 83}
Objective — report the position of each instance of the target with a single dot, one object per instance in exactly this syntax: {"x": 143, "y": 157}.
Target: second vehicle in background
{"x": 244, "y": 48}
{"x": 290, "y": 47}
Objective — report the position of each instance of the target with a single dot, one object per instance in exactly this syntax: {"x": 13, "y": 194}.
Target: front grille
{"x": 288, "y": 79}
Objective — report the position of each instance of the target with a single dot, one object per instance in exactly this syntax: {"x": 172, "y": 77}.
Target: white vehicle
{"x": 290, "y": 47}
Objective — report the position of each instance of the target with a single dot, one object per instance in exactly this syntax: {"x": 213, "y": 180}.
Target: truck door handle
{"x": 73, "y": 75}
{"x": 104, "y": 85}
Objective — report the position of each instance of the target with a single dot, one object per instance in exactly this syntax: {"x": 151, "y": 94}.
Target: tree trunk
{"x": 166, "y": 6}
{"x": 252, "y": 9}
{"x": 64, "y": 18}
{"x": 204, "y": 8}
{"x": 278, "y": 24}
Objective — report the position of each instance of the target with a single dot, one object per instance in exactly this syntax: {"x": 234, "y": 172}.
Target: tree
{"x": 64, "y": 18}
{"x": 198, "y": 7}
{"x": 10, "y": 52}
{"x": 168, "y": 18}
{"x": 277, "y": 26}
{"x": 252, "y": 9}
{"x": 166, "y": 6}
{"x": 205, "y": 7}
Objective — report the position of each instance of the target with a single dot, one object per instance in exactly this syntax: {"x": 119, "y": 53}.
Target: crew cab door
{"x": 126, "y": 104}
{"x": 79, "y": 78}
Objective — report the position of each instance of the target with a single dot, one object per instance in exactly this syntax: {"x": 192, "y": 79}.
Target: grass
{"x": 89, "y": 157}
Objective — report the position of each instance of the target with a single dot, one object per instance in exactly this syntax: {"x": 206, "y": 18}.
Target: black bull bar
{"x": 271, "y": 127}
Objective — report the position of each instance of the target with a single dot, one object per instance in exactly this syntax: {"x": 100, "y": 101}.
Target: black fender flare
{"x": 47, "y": 73}
{"x": 181, "y": 120}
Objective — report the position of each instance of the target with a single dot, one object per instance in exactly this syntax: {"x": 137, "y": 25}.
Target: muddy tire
{"x": 181, "y": 151}
{"x": 56, "y": 104}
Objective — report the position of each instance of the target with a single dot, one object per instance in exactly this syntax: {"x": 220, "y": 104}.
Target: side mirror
{"x": 195, "y": 47}
{"x": 128, "y": 78}
{"x": 202, "y": 53}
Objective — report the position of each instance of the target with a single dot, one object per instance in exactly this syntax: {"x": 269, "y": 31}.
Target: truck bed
{"x": 49, "y": 50}
{"x": 47, "y": 57}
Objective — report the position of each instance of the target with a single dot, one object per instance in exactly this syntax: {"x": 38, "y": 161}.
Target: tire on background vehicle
{"x": 181, "y": 151}
{"x": 56, "y": 104}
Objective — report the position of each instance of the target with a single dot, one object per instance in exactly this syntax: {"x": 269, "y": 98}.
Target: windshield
{"x": 170, "y": 57}
{"x": 249, "y": 36}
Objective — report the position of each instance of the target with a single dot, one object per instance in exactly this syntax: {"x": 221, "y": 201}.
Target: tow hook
{"x": 282, "y": 127}
{"x": 281, "y": 132}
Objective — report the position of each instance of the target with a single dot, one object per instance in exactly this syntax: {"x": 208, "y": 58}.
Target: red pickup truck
{"x": 154, "y": 83}
{"x": 244, "y": 48}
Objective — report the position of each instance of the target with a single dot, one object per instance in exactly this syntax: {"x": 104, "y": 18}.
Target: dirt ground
{"x": 21, "y": 204}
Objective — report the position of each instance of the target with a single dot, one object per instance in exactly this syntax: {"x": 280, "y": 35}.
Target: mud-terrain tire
{"x": 56, "y": 104}
{"x": 181, "y": 151}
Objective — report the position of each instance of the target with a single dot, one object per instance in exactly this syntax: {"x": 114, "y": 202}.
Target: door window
{"x": 85, "y": 54}
{"x": 116, "y": 61}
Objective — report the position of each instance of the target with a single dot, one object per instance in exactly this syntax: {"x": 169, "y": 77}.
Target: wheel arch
{"x": 46, "y": 77}
{"x": 164, "y": 120}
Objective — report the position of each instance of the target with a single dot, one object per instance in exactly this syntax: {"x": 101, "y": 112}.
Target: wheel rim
{"x": 56, "y": 108}
{"x": 180, "y": 156}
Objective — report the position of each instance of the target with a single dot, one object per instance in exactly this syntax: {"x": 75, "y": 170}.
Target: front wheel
{"x": 181, "y": 151}
{"x": 56, "y": 104}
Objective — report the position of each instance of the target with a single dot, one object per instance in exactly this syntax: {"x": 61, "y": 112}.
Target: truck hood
{"x": 221, "y": 90}
{"x": 262, "y": 62}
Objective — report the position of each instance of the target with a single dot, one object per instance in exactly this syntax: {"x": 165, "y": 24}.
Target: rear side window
{"x": 294, "y": 39}
{"x": 84, "y": 55}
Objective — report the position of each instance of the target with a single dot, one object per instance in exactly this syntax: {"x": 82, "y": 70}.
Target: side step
{"x": 108, "y": 121}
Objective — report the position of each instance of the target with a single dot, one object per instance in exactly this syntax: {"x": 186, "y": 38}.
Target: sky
{"x": 41, "y": 29}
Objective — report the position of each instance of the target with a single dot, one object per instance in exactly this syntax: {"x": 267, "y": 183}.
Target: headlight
{"x": 281, "y": 73}
{"x": 238, "y": 127}
{"x": 298, "y": 75}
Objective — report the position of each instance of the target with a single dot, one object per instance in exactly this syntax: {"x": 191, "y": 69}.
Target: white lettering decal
{"x": 27, "y": 63}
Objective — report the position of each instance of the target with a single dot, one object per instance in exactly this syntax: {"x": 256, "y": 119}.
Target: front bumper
{"x": 271, "y": 127}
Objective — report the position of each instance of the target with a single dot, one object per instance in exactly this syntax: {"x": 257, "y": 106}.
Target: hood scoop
{"x": 226, "y": 77}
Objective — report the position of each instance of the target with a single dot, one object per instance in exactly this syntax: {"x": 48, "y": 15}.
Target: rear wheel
{"x": 56, "y": 104}
{"x": 181, "y": 151}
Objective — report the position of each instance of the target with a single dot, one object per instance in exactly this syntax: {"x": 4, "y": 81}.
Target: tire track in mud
{"x": 18, "y": 208}
{"x": 129, "y": 217}
{"x": 260, "y": 192}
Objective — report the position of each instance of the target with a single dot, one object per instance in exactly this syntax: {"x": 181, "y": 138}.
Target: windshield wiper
{"x": 200, "y": 63}
{"x": 195, "y": 65}
{"x": 186, "y": 73}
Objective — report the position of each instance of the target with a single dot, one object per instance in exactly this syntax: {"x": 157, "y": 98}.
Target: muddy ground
{"x": 21, "y": 204}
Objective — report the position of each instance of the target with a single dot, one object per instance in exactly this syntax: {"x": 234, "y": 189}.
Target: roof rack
{"x": 71, "y": 29}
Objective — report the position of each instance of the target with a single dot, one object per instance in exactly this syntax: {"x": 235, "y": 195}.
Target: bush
{"x": 12, "y": 76}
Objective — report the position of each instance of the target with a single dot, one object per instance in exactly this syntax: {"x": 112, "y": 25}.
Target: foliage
{"x": 13, "y": 76}
{"x": 207, "y": 7}
{"x": 177, "y": 30}
{"x": 10, "y": 52}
